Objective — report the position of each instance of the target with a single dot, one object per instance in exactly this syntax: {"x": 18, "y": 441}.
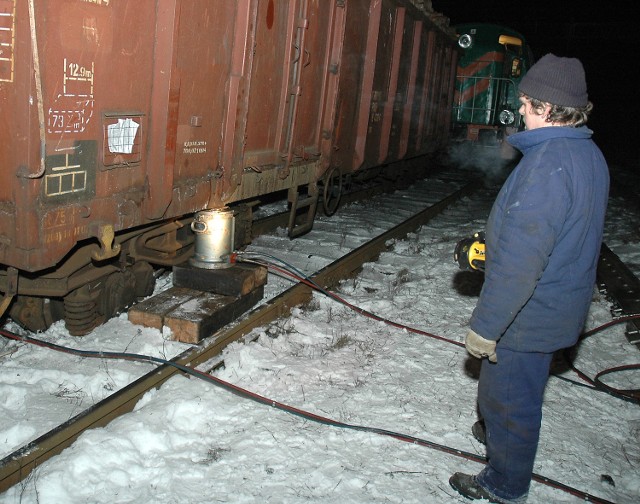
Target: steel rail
{"x": 17, "y": 466}
{"x": 623, "y": 287}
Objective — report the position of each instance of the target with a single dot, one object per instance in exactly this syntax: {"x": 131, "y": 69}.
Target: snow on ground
{"x": 193, "y": 442}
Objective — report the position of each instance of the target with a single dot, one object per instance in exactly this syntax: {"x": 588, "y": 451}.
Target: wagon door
{"x": 405, "y": 89}
{"x": 195, "y": 47}
{"x": 313, "y": 80}
{"x": 384, "y": 43}
{"x": 374, "y": 46}
{"x": 439, "y": 95}
{"x": 289, "y": 88}
{"x": 434, "y": 92}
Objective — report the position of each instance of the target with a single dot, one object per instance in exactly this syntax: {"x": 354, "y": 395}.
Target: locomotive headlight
{"x": 465, "y": 41}
{"x": 506, "y": 117}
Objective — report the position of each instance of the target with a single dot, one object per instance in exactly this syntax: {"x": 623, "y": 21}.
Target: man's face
{"x": 533, "y": 118}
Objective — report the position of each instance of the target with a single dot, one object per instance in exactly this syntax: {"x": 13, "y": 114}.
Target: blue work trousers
{"x": 510, "y": 395}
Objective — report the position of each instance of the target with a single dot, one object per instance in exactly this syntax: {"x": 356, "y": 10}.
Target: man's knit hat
{"x": 556, "y": 80}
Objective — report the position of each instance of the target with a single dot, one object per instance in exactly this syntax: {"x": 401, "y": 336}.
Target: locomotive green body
{"x": 494, "y": 59}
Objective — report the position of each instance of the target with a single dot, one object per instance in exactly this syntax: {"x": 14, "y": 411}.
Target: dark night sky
{"x": 604, "y": 38}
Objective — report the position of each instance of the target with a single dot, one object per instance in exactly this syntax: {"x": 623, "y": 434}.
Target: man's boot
{"x": 466, "y": 485}
{"x": 479, "y": 432}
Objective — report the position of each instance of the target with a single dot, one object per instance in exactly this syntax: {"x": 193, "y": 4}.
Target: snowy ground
{"x": 193, "y": 442}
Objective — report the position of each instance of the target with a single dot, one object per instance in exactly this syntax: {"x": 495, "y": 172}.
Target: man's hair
{"x": 566, "y": 116}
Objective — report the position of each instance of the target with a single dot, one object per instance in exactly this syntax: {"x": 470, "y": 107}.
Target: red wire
{"x": 362, "y": 311}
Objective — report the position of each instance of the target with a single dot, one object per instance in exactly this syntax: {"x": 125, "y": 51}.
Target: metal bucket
{"x": 214, "y": 231}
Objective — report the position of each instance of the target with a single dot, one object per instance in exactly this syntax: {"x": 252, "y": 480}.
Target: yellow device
{"x": 470, "y": 252}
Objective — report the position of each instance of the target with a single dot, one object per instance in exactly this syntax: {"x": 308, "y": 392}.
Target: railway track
{"x": 623, "y": 288}
{"x": 618, "y": 279}
{"x": 17, "y": 466}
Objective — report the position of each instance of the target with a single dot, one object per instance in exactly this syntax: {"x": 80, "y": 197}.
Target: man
{"x": 543, "y": 239}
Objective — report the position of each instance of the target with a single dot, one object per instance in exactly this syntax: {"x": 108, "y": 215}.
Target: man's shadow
{"x": 468, "y": 283}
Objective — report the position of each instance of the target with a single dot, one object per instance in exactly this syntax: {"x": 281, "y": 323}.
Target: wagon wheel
{"x": 332, "y": 191}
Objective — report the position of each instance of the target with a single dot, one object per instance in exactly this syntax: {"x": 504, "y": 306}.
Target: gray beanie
{"x": 556, "y": 80}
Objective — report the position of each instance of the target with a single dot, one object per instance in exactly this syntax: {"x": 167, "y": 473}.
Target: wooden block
{"x": 236, "y": 280}
{"x": 204, "y": 314}
{"x": 151, "y": 312}
{"x": 192, "y": 314}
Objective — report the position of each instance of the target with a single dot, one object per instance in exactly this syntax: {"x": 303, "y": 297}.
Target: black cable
{"x": 324, "y": 420}
{"x": 290, "y": 409}
{"x": 631, "y": 395}
{"x": 302, "y": 278}
{"x": 593, "y": 384}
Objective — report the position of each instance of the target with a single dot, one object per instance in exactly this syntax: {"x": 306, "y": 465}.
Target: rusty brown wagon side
{"x": 120, "y": 120}
{"x": 397, "y": 75}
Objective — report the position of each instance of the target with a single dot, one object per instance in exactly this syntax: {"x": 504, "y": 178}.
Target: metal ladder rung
{"x": 310, "y": 202}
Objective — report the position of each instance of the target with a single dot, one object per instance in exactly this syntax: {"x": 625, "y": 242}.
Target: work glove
{"x": 480, "y": 347}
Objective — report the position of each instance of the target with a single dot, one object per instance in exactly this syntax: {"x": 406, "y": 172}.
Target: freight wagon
{"x": 121, "y": 120}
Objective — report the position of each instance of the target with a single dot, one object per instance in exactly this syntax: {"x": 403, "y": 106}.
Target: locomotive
{"x": 122, "y": 120}
{"x": 485, "y": 110}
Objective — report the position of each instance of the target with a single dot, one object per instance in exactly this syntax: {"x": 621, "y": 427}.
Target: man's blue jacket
{"x": 543, "y": 239}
